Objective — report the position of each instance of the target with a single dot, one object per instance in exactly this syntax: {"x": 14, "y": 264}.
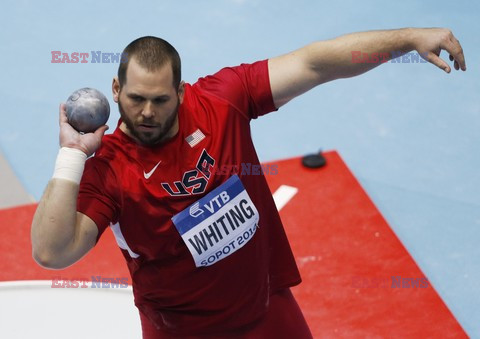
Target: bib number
{"x": 219, "y": 224}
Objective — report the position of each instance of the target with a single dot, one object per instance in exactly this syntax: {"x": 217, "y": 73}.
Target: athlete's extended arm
{"x": 60, "y": 234}
{"x": 299, "y": 71}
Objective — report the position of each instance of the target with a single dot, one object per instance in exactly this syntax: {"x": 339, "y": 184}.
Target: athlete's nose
{"x": 148, "y": 111}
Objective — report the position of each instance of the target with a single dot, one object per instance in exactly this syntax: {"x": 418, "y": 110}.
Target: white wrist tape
{"x": 69, "y": 165}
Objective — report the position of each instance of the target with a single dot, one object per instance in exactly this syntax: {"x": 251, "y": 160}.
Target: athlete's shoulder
{"x": 245, "y": 87}
{"x": 239, "y": 74}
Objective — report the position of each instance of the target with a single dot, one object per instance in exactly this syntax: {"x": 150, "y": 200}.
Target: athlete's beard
{"x": 147, "y": 138}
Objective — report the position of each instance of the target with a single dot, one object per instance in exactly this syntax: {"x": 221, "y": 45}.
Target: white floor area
{"x": 33, "y": 309}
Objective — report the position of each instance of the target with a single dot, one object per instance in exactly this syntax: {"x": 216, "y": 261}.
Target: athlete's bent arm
{"x": 61, "y": 235}
{"x": 299, "y": 71}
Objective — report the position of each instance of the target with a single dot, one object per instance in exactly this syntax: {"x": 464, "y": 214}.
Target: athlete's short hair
{"x": 151, "y": 53}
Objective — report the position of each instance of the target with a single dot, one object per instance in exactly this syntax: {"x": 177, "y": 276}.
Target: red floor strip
{"x": 347, "y": 255}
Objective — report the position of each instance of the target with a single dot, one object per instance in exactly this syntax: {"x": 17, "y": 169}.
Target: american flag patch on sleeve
{"x": 194, "y": 138}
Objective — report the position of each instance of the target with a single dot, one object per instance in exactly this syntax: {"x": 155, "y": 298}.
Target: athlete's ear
{"x": 115, "y": 89}
{"x": 181, "y": 91}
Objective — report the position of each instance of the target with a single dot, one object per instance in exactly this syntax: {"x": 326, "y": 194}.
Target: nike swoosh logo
{"x": 149, "y": 174}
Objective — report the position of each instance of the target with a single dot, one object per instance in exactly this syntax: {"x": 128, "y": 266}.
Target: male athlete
{"x": 206, "y": 249}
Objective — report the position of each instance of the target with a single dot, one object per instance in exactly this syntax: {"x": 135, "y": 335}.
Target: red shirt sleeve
{"x": 246, "y": 87}
{"x": 95, "y": 198}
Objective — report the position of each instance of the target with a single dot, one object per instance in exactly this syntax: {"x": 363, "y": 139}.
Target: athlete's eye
{"x": 136, "y": 98}
{"x": 160, "y": 100}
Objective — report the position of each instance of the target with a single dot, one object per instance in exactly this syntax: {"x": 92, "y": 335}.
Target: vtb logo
{"x": 194, "y": 181}
{"x": 212, "y": 206}
{"x": 195, "y": 210}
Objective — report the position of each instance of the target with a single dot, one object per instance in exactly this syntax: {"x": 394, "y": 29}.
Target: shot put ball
{"x": 87, "y": 109}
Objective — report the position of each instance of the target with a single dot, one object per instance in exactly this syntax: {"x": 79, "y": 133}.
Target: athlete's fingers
{"x": 437, "y": 61}
{"x": 101, "y": 131}
{"x": 62, "y": 113}
{"x": 452, "y": 46}
{"x": 456, "y": 65}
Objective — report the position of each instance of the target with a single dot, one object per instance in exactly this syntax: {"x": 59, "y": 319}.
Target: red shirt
{"x": 138, "y": 189}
